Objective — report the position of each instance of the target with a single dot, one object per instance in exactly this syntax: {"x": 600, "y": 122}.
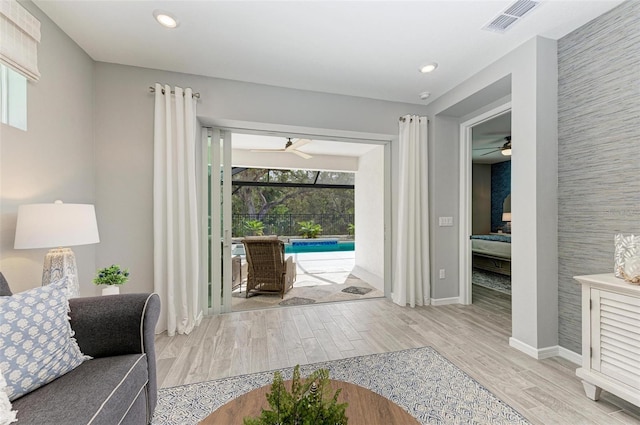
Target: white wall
{"x": 369, "y": 218}
{"x": 54, "y": 158}
{"x": 124, "y": 143}
{"x": 533, "y": 70}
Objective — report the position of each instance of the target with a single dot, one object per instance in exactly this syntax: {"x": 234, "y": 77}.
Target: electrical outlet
{"x": 442, "y": 274}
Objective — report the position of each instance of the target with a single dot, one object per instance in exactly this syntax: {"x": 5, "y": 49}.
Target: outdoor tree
{"x": 272, "y": 203}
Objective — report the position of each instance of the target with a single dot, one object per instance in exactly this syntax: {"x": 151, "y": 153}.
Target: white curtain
{"x": 175, "y": 210}
{"x": 411, "y": 281}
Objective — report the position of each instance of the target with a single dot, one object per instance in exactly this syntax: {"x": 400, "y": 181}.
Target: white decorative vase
{"x": 632, "y": 269}
{"x": 627, "y": 250}
{"x": 111, "y": 290}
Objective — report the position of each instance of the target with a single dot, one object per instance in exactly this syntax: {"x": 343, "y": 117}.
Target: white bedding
{"x": 491, "y": 248}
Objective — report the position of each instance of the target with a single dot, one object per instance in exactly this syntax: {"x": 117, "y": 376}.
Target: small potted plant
{"x": 311, "y": 401}
{"x": 112, "y": 276}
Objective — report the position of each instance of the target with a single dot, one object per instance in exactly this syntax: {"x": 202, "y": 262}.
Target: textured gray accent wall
{"x": 598, "y": 150}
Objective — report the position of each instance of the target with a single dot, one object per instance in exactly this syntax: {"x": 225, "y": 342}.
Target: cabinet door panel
{"x": 616, "y": 336}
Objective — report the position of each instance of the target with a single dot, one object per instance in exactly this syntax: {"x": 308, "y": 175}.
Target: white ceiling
{"x": 315, "y": 147}
{"x": 488, "y": 137}
{"x": 361, "y": 48}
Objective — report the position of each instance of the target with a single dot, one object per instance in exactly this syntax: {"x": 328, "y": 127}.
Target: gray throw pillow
{"x": 4, "y": 286}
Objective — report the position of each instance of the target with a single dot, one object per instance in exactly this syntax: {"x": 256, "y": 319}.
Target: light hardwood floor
{"x": 473, "y": 337}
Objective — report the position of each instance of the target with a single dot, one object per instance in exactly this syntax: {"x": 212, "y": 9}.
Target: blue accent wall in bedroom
{"x": 500, "y": 189}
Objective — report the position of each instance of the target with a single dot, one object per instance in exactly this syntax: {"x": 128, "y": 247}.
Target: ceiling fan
{"x": 291, "y": 147}
{"x": 505, "y": 149}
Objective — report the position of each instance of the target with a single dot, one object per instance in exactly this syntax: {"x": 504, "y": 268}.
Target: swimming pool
{"x": 306, "y": 245}
{"x": 318, "y": 245}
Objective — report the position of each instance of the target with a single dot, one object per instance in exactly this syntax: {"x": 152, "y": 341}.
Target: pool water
{"x": 299, "y": 248}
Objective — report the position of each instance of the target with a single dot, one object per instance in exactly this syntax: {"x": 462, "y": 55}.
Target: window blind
{"x": 20, "y": 35}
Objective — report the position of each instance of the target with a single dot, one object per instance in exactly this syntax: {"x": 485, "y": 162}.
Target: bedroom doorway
{"x": 485, "y": 257}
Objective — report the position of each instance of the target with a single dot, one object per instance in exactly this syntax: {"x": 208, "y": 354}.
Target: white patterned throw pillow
{"x": 36, "y": 340}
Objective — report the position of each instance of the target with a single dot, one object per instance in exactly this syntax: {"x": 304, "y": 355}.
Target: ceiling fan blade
{"x": 480, "y": 149}
{"x": 497, "y": 150}
{"x": 267, "y": 150}
{"x": 301, "y": 154}
{"x": 298, "y": 143}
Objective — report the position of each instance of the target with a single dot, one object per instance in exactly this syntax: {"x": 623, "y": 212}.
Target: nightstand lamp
{"x": 55, "y": 226}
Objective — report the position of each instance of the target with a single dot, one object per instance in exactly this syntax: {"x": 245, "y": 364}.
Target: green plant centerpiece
{"x": 309, "y": 402}
{"x": 309, "y": 229}
{"x": 255, "y": 227}
{"x": 112, "y": 275}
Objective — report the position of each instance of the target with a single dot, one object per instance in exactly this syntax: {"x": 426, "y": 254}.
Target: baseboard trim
{"x": 536, "y": 353}
{"x": 546, "y": 352}
{"x": 567, "y": 354}
{"x": 445, "y": 301}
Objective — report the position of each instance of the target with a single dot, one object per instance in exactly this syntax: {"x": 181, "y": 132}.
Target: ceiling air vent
{"x": 511, "y": 15}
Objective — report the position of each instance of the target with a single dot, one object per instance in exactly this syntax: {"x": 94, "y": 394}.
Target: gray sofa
{"x": 118, "y": 386}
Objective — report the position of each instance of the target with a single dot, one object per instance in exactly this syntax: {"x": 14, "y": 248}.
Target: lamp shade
{"x": 506, "y": 216}
{"x": 55, "y": 225}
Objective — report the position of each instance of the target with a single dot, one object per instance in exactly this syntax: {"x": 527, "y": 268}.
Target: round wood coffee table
{"x": 365, "y": 407}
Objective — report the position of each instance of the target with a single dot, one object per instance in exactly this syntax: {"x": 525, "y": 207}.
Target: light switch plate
{"x": 445, "y": 221}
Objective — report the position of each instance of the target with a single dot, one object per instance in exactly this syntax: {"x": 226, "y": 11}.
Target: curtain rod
{"x": 153, "y": 90}
{"x": 403, "y": 119}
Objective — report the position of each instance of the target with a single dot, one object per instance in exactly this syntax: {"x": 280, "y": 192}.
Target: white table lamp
{"x": 506, "y": 216}
{"x": 55, "y": 226}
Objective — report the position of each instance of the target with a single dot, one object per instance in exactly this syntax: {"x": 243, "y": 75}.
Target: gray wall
{"x": 599, "y": 145}
{"x": 481, "y": 199}
{"x": 124, "y": 143}
{"x": 532, "y": 68}
{"x": 54, "y": 158}
{"x": 444, "y": 193}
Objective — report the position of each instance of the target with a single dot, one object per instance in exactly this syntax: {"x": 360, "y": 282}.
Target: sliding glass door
{"x": 218, "y": 211}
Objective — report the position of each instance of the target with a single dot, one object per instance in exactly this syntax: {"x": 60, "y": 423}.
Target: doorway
{"x": 485, "y": 231}
{"x": 253, "y": 159}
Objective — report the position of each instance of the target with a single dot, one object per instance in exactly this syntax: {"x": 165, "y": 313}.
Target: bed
{"x": 492, "y": 252}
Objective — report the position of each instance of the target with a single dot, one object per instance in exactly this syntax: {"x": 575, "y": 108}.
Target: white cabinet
{"x": 610, "y": 337}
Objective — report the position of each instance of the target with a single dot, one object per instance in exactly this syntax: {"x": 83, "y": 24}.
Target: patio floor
{"x": 321, "y": 277}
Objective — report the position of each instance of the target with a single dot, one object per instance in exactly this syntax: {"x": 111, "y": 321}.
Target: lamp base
{"x": 58, "y": 263}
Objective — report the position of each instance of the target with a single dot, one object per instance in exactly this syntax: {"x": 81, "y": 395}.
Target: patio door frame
{"x": 226, "y": 128}
{"x": 216, "y": 192}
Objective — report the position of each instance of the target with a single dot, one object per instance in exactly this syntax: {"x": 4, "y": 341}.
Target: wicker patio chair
{"x": 267, "y": 268}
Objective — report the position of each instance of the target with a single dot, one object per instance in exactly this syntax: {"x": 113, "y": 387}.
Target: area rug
{"x": 297, "y": 301}
{"x": 420, "y": 380}
{"x": 496, "y": 281}
{"x": 357, "y": 290}
{"x": 319, "y": 287}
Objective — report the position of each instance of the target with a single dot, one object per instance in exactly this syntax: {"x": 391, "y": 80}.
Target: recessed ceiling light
{"x": 430, "y": 67}
{"x": 165, "y": 19}
{"x": 424, "y": 95}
